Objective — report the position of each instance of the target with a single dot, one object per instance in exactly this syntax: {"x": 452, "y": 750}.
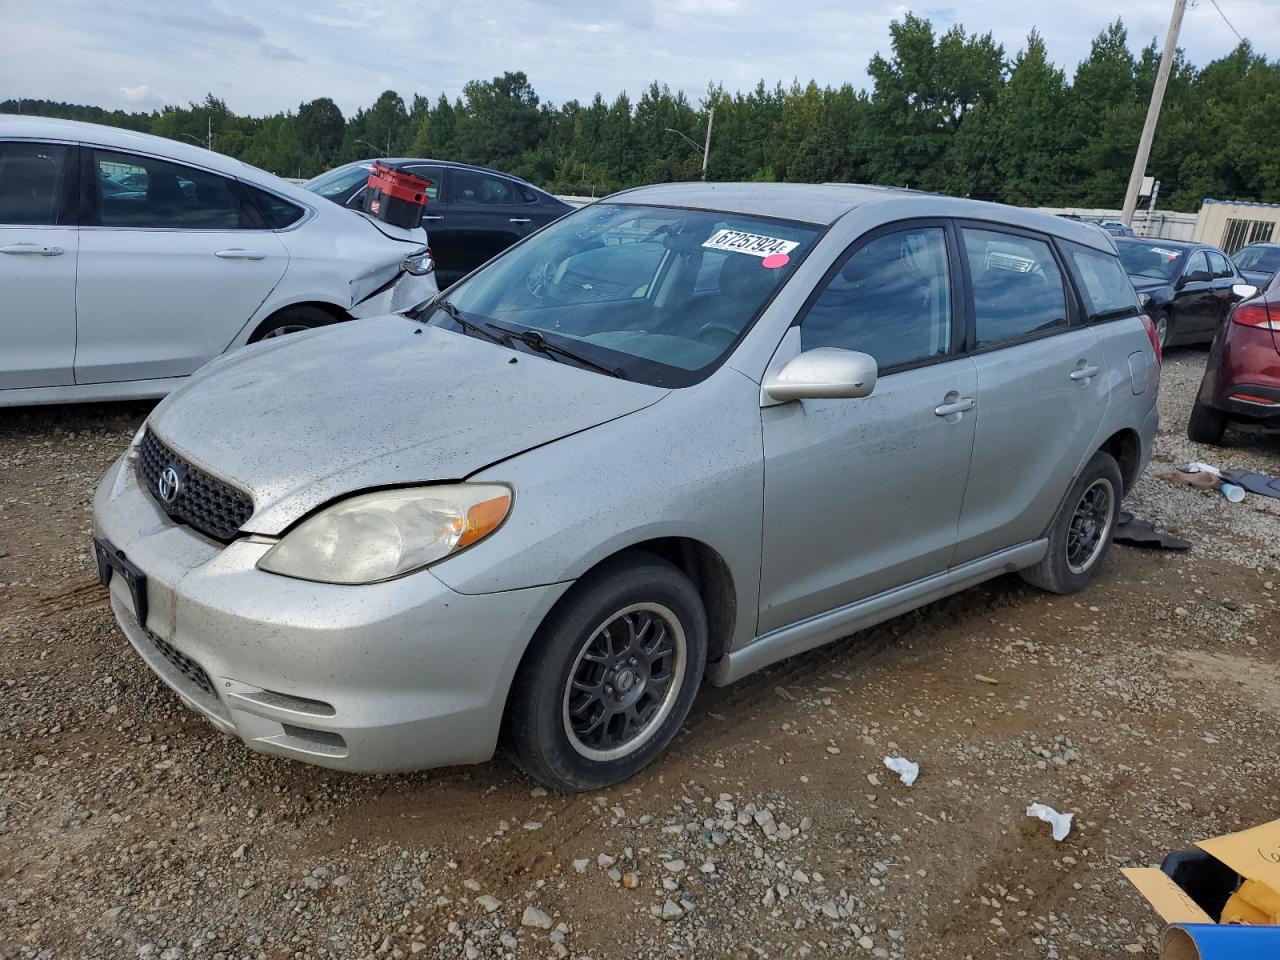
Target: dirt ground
{"x": 1147, "y": 705}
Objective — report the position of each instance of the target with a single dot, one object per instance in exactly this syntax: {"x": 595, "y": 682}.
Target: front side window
{"x": 433, "y": 175}
{"x": 1151, "y": 259}
{"x": 470, "y": 186}
{"x": 662, "y": 294}
{"x": 891, "y": 299}
{"x": 1017, "y": 286}
{"x": 31, "y": 182}
{"x": 1107, "y": 290}
{"x": 136, "y": 191}
{"x": 1197, "y": 268}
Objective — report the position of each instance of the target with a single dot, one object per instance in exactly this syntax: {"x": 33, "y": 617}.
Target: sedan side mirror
{"x": 823, "y": 373}
{"x": 1243, "y": 291}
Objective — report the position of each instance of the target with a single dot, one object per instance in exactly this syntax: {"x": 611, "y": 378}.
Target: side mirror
{"x": 823, "y": 373}
{"x": 1243, "y": 291}
{"x": 1196, "y": 276}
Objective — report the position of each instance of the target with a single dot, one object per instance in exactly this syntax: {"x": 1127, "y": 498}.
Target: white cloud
{"x": 250, "y": 53}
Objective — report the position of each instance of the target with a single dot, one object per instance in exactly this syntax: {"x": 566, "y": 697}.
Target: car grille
{"x": 184, "y": 664}
{"x": 203, "y": 502}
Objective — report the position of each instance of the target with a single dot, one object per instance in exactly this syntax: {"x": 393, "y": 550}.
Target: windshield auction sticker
{"x": 756, "y": 244}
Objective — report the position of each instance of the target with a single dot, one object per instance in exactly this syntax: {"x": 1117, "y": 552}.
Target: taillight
{"x": 1154, "y": 337}
{"x": 1255, "y": 315}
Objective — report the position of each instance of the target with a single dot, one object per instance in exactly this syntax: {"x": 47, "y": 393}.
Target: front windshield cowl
{"x": 661, "y": 295}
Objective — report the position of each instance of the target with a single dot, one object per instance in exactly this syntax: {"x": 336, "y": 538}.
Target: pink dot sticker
{"x": 775, "y": 260}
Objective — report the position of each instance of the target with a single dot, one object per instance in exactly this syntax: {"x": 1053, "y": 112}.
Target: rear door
{"x": 1041, "y": 388}
{"x": 174, "y": 261}
{"x": 39, "y": 245}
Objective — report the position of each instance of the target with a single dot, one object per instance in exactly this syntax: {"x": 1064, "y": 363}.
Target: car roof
{"x": 825, "y": 203}
{"x": 1260, "y": 243}
{"x": 117, "y": 138}
{"x": 1164, "y": 242}
{"x": 397, "y": 162}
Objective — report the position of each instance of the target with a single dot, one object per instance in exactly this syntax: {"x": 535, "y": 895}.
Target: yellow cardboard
{"x": 1169, "y": 899}
{"x": 1253, "y": 853}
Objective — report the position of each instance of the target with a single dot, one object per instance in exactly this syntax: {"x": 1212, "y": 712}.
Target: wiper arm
{"x": 454, "y": 314}
{"x": 534, "y": 339}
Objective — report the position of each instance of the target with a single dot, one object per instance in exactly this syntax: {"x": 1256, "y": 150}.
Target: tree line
{"x": 949, "y": 112}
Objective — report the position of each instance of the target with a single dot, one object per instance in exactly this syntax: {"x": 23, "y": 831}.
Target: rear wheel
{"x": 1205, "y": 425}
{"x": 292, "y": 320}
{"x": 1080, "y": 535}
{"x": 1164, "y": 323}
{"x": 610, "y": 676}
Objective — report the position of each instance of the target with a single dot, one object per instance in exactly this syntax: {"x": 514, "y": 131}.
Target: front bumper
{"x": 402, "y": 675}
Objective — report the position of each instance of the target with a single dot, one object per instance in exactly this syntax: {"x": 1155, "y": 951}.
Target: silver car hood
{"x": 305, "y": 419}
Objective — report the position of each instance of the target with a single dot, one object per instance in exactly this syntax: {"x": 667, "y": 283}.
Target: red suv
{"x": 1242, "y": 378}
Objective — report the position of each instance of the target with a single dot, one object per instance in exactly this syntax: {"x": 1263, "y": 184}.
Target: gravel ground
{"x": 1146, "y": 706}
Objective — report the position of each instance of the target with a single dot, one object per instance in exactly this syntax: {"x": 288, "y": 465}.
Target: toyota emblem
{"x": 170, "y": 484}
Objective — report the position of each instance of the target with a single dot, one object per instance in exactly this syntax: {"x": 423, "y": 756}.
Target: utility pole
{"x": 208, "y": 137}
{"x": 706, "y": 149}
{"x": 1153, "y": 112}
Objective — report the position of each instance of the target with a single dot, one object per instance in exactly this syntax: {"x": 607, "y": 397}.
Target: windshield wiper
{"x": 454, "y": 314}
{"x": 536, "y": 341}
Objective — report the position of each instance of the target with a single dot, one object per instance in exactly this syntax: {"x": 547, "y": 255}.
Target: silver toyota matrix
{"x": 681, "y": 433}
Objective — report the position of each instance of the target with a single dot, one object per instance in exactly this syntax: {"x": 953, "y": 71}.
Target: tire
{"x": 292, "y": 320}
{"x": 1079, "y": 541}
{"x": 1205, "y": 425}
{"x": 549, "y": 729}
{"x": 1164, "y": 327}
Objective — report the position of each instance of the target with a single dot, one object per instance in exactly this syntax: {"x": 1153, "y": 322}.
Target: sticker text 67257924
{"x": 756, "y": 244}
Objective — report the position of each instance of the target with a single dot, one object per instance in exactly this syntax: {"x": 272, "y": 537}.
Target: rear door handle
{"x": 963, "y": 405}
{"x": 433, "y": 216}
{"x": 520, "y": 220}
{"x": 237, "y": 254}
{"x": 1084, "y": 373}
{"x": 31, "y": 250}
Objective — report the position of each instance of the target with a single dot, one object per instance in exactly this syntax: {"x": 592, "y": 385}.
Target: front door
{"x": 484, "y": 214}
{"x": 864, "y": 495}
{"x": 1042, "y": 390}
{"x": 1195, "y": 306}
{"x": 171, "y": 268}
{"x": 38, "y": 251}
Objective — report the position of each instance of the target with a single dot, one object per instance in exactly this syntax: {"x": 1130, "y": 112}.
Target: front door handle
{"x": 1084, "y": 373}
{"x": 236, "y": 253}
{"x": 433, "y": 216}
{"x": 521, "y": 220}
{"x": 31, "y": 250}
{"x": 963, "y": 405}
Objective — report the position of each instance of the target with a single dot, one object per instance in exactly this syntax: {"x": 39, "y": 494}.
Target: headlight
{"x": 377, "y": 536}
{"x": 1145, "y": 300}
{"x": 420, "y": 264}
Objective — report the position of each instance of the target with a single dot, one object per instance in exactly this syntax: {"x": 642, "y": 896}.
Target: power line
{"x": 1226, "y": 21}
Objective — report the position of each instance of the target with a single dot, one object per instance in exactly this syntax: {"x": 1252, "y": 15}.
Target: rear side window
{"x": 1017, "y": 286}
{"x": 31, "y": 182}
{"x": 137, "y": 191}
{"x": 469, "y": 186}
{"x": 891, "y": 299}
{"x": 1218, "y": 264}
{"x": 1107, "y": 291}
{"x": 277, "y": 213}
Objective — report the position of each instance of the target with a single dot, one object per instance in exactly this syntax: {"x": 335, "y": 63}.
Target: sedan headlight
{"x": 420, "y": 263}
{"x": 378, "y": 536}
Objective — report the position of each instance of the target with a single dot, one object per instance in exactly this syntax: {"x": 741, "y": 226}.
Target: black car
{"x": 1258, "y": 262}
{"x": 472, "y": 213}
{"x": 1185, "y": 287}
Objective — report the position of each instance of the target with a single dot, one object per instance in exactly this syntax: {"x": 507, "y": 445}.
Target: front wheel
{"x": 610, "y": 676}
{"x": 1080, "y": 535}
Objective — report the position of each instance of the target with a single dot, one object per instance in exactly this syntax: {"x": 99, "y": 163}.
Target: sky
{"x": 263, "y": 57}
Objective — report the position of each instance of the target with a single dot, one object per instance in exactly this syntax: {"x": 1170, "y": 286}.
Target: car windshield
{"x": 337, "y": 182}
{"x": 1153, "y": 260}
{"x": 1260, "y": 259}
{"x": 660, "y": 294}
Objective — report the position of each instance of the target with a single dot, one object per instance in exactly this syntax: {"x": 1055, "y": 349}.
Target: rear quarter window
{"x": 1104, "y": 285}
{"x": 277, "y": 213}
